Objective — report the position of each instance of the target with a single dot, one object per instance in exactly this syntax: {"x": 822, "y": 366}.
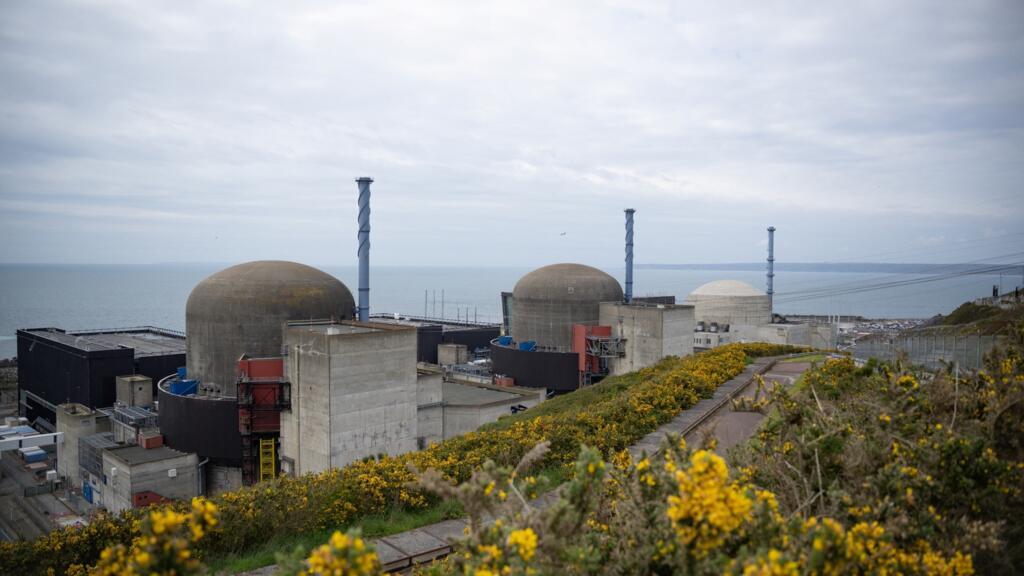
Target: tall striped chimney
{"x": 629, "y": 255}
{"x": 771, "y": 268}
{"x": 364, "y": 248}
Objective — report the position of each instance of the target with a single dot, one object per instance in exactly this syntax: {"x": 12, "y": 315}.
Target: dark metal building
{"x": 55, "y": 367}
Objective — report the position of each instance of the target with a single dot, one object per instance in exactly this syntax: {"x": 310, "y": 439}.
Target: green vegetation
{"x": 393, "y": 521}
{"x": 610, "y": 416}
{"x": 969, "y": 312}
{"x": 812, "y": 358}
{"x": 929, "y": 458}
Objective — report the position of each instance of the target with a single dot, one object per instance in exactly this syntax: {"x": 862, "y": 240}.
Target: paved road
{"x": 730, "y": 428}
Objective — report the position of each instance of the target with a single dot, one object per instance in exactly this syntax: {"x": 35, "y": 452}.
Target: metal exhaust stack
{"x": 364, "y": 248}
{"x": 629, "y": 255}
{"x": 771, "y": 268}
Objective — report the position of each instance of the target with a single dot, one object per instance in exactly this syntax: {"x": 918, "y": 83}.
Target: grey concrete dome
{"x": 241, "y": 310}
{"x": 549, "y": 300}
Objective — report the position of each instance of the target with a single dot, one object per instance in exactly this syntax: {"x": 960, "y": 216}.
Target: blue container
{"x": 528, "y": 346}
{"x": 35, "y": 456}
{"x": 87, "y": 492}
{"x": 184, "y": 387}
{"x": 181, "y": 373}
{"x": 504, "y": 340}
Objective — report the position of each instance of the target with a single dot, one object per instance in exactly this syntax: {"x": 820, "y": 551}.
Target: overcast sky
{"x": 511, "y": 133}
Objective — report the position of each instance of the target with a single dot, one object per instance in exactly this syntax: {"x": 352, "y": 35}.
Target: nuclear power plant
{"x": 281, "y": 371}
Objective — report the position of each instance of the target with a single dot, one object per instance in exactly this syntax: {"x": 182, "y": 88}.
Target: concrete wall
{"x": 221, "y": 478}
{"x": 708, "y": 340}
{"x": 354, "y": 394}
{"x": 469, "y": 406}
{"x": 152, "y": 476}
{"x": 466, "y": 418}
{"x": 650, "y": 333}
{"x": 429, "y": 412}
{"x": 74, "y": 421}
{"x": 373, "y": 395}
{"x": 795, "y": 334}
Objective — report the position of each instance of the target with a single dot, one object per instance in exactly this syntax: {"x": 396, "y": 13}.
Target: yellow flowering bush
{"x": 707, "y": 506}
{"x": 684, "y": 516}
{"x": 342, "y": 555}
{"x": 164, "y": 546}
{"x": 608, "y": 416}
{"x": 916, "y": 465}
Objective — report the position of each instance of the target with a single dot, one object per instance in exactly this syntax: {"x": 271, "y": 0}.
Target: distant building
{"x": 57, "y": 367}
{"x": 728, "y": 311}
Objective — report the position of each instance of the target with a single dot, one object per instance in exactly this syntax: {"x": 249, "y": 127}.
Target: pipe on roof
{"x": 629, "y": 255}
{"x": 364, "y": 248}
{"x": 771, "y": 267}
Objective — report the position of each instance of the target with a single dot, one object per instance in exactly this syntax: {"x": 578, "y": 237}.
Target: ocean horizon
{"x": 99, "y": 296}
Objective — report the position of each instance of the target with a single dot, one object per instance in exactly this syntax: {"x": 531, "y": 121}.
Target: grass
{"x": 811, "y": 357}
{"x": 395, "y": 521}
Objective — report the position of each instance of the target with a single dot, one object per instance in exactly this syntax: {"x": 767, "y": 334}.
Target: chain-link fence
{"x": 929, "y": 350}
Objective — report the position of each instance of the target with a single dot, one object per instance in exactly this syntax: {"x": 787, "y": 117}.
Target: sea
{"x": 86, "y": 297}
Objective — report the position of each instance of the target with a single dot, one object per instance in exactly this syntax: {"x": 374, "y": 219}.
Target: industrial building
{"x": 571, "y": 324}
{"x": 280, "y": 380}
{"x": 57, "y": 367}
{"x": 648, "y": 332}
{"x": 729, "y": 311}
{"x": 135, "y": 476}
{"x": 240, "y": 310}
{"x": 434, "y": 334}
{"x": 353, "y": 394}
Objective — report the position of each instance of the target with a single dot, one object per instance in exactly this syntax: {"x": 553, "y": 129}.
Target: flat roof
{"x": 446, "y": 324}
{"x": 467, "y": 395}
{"x": 138, "y": 455}
{"x": 345, "y": 327}
{"x": 145, "y": 340}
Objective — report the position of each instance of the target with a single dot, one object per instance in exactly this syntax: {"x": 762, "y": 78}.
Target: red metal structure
{"x": 263, "y": 392}
{"x": 595, "y": 345}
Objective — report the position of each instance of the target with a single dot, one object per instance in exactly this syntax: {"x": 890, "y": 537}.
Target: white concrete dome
{"x": 727, "y": 288}
{"x": 730, "y": 302}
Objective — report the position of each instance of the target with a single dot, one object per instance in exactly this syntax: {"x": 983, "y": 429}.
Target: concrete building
{"x": 648, "y": 333}
{"x": 548, "y": 301}
{"x": 467, "y": 407}
{"x": 136, "y": 477}
{"x": 242, "y": 309}
{"x": 728, "y": 311}
{"x": 74, "y": 422}
{"x": 353, "y": 394}
{"x": 448, "y": 354}
{"x": 134, "y": 390}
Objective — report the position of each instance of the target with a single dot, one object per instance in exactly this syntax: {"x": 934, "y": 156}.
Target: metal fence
{"x": 929, "y": 350}
{"x": 38, "y": 489}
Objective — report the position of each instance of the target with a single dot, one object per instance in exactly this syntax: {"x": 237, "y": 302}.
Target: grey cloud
{"x": 517, "y": 119}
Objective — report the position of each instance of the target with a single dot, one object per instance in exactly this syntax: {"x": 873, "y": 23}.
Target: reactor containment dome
{"x": 548, "y": 301}
{"x": 242, "y": 310}
{"x": 730, "y": 302}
